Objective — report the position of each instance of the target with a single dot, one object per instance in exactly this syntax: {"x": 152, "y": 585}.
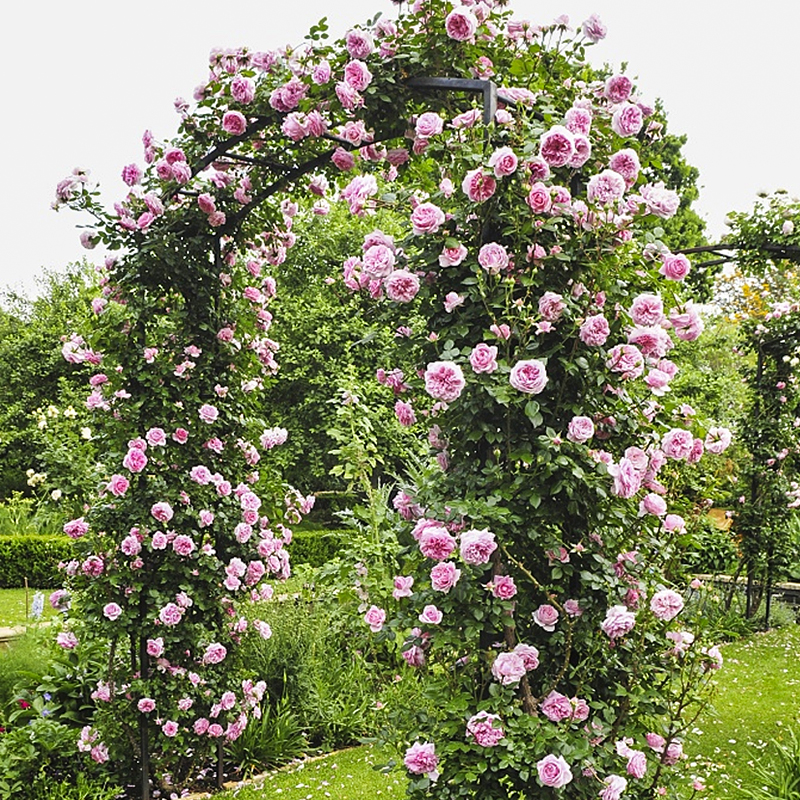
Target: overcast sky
{"x": 85, "y": 78}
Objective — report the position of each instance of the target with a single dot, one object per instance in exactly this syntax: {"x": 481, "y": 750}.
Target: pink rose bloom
{"x": 674, "y": 522}
{"x": 426, "y": 218}
{"x": 493, "y": 257}
{"x": 429, "y": 124}
{"x": 359, "y": 43}
{"x": 171, "y": 614}
{"x": 444, "y": 380}
{"x": 607, "y": 188}
{"x": 402, "y": 586}
{"x": 156, "y": 437}
{"x": 656, "y": 742}
{"x": 578, "y": 120}
{"x": 717, "y": 440}
{"x": 673, "y": 753}
{"x": 436, "y": 543}
{"x": 452, "y": 301}
{"x": 594, "y": 331}
{"x": 580, "y": 429}
{"x": 654, "y": 504}
{"x": 478, "y": 186}
{"x": 539, "y": 198}
{"x": 572, "y": 607}
{"x": 162, "y": 511}
{"x": 444, "y": 576}
{"x": 477, "y": 546}
{"x": 234, "y": 122}
{"x": 551, "y": 306}
{"x": 118, "y": 485}
{"x": 626, "y": 359}
{"x": 627, "y": 120}
{"x": 405, "y": 413}
{"x": 666, "y": 604}
{"x": 243, "y": 89}
{"x": 677, "y": 444}
{"x": 556, "y": 707}
{"x": 618, "y": 622}
{"x": 421, "y": 759}
{"x": 626, "y": 163}
{"x": 501, "y": 331}
{"x": 170, "y": 728}
{"x": 67, "y": 640}
{"x": 461, "y": 24}
{"x": 452, "y": 256}
{"x": 485, "y": 729}
{"x": 528, "y": 376}
{"x": 208, "y": 413}
{"x": 647, "y": 310}
{"x": 502, "y": 587}
{"x": 181, "y": 435}
{"x": 557, "y": 146}
{"x": 508, "y": 668}
{"x": 504, "y": 162}
{"x": 430, "y": 615}
{"x": 627, "y": 479}
{"x": 593, "y": 29}
{"x": 146, "y": 705}
{"x": 483, "y": 358}
{"x": 660, "y": 201}
{"x": 402, "y": 286}
{"x": 135, "y": 460}
{"x": 529, "y": 655}
{"x": 615, "y": 785}
{"x": 553, "y": 771}
{"x": 637, "y": 763}
{"x": 155, "y": 647}
{"x": 357, "y": 75}
{"x": 675, "y": 268}
{"x": 159, "y": 541}
{"x": 112, "y": 611}
{"x": 378, "y": 261}
{"x": 546, "y": 616}
{"x": 215, "y": 653}
{"x": 183, "y": 545}
{"x": 618, "y": 88}
{"x": 686, "y": 322}
{"x": 343, "y": 159}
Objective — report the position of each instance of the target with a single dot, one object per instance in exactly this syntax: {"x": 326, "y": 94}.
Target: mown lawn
{"x": 758, "y": 701}
{"x": 346, "y": 775}
{"x": 12, "y": 607}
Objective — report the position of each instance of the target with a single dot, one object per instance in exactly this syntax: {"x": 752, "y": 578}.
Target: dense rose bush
{"x": 539, "y": 306}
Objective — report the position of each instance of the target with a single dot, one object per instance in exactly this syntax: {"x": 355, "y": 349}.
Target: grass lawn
{"x": 12, "y": 606}
{"x": 758, "y": 701}
{"x": 346, "y": 775}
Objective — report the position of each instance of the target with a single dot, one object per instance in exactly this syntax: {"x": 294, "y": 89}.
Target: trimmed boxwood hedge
{"x": 315, "y": 547}
{"x": 35, "y": 558}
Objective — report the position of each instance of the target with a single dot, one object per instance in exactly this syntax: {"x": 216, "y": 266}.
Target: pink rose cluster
{"x": 509, "y": 667}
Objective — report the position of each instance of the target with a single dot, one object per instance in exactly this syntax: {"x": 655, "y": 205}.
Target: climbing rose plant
{"x": 532, "y": 599}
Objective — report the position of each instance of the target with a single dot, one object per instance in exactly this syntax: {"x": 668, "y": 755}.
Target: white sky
{"x": 84, "y": 78}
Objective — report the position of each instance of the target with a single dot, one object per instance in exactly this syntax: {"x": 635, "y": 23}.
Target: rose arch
{"x": 534, "y": 593}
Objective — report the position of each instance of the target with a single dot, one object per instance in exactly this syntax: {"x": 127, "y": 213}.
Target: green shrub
{"x": 275, "y": 739}
{"x": 36, "y": 756}
{"x": 33, "y": 557}
{"x": 316, "y": 548}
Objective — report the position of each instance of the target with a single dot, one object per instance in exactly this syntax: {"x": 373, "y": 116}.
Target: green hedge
{"x": 35, "y": 558}
{"x": 315, "y": 547}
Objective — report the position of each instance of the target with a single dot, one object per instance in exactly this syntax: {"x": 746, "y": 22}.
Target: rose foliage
{"x": 532, "y": 598}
